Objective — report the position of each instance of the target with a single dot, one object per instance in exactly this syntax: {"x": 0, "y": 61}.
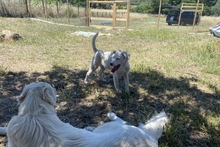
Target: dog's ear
{"x": 126, "y": 55}
{"x": 21, "y": 97}
{"x": 114, "y": 51}
{"x": 49, "y": 95}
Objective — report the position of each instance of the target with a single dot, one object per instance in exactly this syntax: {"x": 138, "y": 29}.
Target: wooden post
{"x": 68, "y": 13}
{"x": 45, "y": 3}
{"x": 180, "y": 18}
{"x": 195, "y": 14}
{"x": 30, "y": 13}
{"x": 128, "y": 13}
{"x": 158, "y": 19}
{"x": 88, "y": 13}
{"x": 114, "y": 15}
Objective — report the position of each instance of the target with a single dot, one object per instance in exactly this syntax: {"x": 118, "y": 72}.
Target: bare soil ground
{"x": 74, "y": 105}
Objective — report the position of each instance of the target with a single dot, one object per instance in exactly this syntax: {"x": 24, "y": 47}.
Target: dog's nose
{"x": 111, "y": 64}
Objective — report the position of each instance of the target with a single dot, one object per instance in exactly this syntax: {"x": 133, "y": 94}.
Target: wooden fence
{"x": 114, "y": 16}
{"x": 191, "y": 7}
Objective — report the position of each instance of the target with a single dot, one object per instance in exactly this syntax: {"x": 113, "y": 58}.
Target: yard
{"x": 175, "y": 69}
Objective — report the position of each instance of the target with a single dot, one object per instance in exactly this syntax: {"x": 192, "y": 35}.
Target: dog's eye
{"x": 117, "y": 58}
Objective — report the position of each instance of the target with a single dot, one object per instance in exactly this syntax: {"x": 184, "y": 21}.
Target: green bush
{"x": 142, "y": 8}
{"x": 215, "y": 10}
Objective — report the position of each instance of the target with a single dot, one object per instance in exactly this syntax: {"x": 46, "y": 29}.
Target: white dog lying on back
{"x": 116, "y": 61}
{"x": 37, "y": 125}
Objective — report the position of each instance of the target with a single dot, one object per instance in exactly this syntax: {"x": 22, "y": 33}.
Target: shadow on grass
{"x": 188, "y": 107}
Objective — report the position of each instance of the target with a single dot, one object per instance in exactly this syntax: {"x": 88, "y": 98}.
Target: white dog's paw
{"x": 118, "y": 91}
{"x": 104, "y": 80}
{"x": 112, "y": 116}
{"x": 85, "y": 82}
{"x": 89, "y": 128}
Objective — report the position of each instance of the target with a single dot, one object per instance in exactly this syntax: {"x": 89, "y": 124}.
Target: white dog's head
{"x": 36, "y": 96}
{"x": 156, "y": 124}
{"x": 119, "y": 58}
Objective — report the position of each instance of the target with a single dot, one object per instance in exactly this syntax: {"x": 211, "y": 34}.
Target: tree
{"x": 209, "y": 3}
{"x": 174, "y": 2}
{"x": 155, "y": 6}
{"x": 207, "y": 6}
{"x": 215, "y": 10}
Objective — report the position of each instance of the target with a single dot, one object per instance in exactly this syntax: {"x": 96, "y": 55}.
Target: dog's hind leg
{"x": 87, "y": 75}
{"x": 92, "y": 68}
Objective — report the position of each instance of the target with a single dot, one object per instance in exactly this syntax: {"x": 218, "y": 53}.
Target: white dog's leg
{"x": 92, "y": 68}
{"x": 102, "y": 69}
{"x": 113, "y": 117}
{"x": 126, "y": 78}
{"x": 87, "y": 75}
{"x": 116, "y": 83}
{"x": 3, "y": 130}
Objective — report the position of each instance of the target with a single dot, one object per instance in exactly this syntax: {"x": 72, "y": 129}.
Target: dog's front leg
{"x": 126, "y": 79}
{"x": 102, "y": 69}
{"x": 116, "y": 83}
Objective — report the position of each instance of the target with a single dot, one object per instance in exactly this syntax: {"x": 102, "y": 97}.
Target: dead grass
{"x": 172, "y": 69}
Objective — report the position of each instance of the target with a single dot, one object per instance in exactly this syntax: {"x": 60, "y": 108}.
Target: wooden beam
{"x": 114, "y": 13}
{"x": 158, "y": 19}
{"x": 194, "y": 20}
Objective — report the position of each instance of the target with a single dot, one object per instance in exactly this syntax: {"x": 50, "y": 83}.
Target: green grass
{"x": 172, "y": 69}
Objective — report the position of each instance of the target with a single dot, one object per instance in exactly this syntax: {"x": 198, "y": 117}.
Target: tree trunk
{"x": 26, "y": 4}
{"x": 57, "y": 4}
{"x": 29, "y": 8}
{"x": 43, "y": 6}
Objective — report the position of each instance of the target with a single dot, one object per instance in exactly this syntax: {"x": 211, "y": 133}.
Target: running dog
{"x": 116, "y": 61}
{"x": 37, "y": 125}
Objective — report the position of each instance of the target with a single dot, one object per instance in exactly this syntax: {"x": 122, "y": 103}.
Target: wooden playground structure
{"x": 115, "y": 15}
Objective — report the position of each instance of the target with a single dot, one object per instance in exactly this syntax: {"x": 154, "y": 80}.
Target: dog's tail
{"x": 156, "y": 124}
{"x": 93, "y": 42}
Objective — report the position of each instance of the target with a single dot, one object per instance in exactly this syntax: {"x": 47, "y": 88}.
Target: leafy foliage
{"x": 215, "y": 10}
{"x": 153, "y": 6}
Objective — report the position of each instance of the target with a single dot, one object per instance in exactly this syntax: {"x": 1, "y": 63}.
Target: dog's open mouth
{"x": 115, "y": 68}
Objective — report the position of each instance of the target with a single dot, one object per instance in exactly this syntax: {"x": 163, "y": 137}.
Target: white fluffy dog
{"x": 116, "y": 61}
{"x": 37, "y": 125}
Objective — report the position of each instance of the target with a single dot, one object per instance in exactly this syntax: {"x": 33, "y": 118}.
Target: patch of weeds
{"x": 87, "y": 89}
{"x": 214, "y": 137}
{"x": 155, "y": 34}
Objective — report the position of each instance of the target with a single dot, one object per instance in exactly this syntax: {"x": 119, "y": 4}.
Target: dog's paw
{"x": 85, "y": 82}
{"x": 112, "y": 116}
{"x": 119, "y": 91}
{"x": 89, "y": 128}
{"x": 104, "y": 80}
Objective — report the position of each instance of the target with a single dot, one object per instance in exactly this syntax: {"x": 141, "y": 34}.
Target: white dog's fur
{"x": 3, "y": 130}
{"x": 37, "y": 125}
{"x": 116, "y": 61}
